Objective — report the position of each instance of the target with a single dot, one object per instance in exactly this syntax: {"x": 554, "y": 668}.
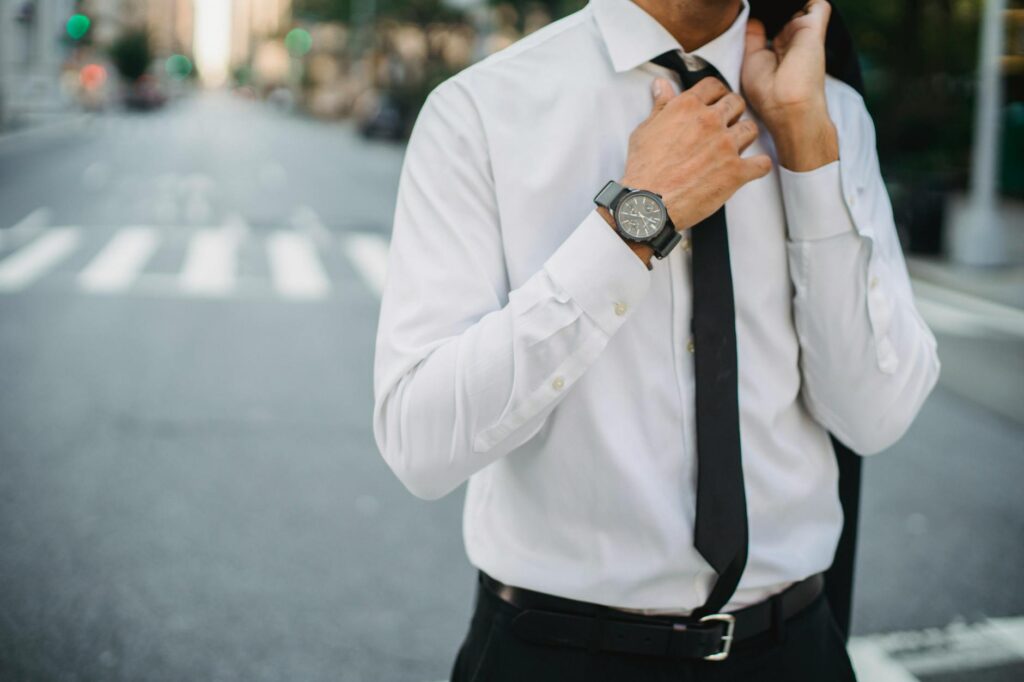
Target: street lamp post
{"x": 977, "y": 235}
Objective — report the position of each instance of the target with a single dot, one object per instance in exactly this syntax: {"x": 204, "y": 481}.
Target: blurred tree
{"x": 418, "y": 11}
{"x": 919, "y": 68}
{"x": 131, "y": 53}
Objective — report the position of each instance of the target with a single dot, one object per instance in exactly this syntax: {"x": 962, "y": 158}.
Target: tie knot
{"x": 690, "y": 67}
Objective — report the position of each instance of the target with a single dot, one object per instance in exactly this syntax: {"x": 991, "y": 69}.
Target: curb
{"x": 49, "y": 127}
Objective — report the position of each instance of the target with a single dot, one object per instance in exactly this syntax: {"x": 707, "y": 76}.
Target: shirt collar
{"x": 634, "y": 37}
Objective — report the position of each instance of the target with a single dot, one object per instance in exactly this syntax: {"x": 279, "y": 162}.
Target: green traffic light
{"x": 298, "y": 41}
{"x": 78, "y": 25}
{"x": 178, "y": 66}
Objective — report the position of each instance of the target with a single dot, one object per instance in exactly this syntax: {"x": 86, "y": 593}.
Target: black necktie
{"x": 720, "y": 533}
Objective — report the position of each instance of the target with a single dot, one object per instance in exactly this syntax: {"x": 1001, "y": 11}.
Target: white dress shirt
{"x": 523, "y": 346}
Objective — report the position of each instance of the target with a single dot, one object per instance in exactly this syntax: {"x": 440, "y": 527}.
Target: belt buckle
{"x": 727, "y": 637}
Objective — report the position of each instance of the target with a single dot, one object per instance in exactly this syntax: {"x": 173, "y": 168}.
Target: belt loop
{"x": 596, "y": 640}
{"x": 778, "y": 619}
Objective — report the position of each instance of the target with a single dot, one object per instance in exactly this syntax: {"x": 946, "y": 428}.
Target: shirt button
{"x": 620, "y": 309}
{"x": 689, "y": 345}
{"x": 558, "y": 384}
{"x": 873, "y": 283}
{"x": 851, "y": 200}
{"x": 686, "y": 244}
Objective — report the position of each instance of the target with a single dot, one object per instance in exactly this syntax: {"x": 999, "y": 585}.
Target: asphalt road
{"x": 189, "y": 487}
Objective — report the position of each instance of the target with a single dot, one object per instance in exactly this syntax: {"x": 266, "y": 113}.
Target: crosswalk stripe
{"x": 368, "y": 253}
{"x": 118, "y": 265}
{"x": 955, "y": 312}
{"x": 295, "y": 267}
{"x": 871, "y": 662}
{"x": 28, "y": 263}
{"x": 25, "y": 228}
{"x": 210, "y": 263}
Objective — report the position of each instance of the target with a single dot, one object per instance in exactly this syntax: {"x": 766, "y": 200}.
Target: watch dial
{"x": 640, "y": 216}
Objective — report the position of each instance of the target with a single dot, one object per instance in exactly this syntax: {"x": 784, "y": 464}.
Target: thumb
{"x": 821, "y": 11}
{"x": 662, "y": 90}
{"x": 756, "y": 38}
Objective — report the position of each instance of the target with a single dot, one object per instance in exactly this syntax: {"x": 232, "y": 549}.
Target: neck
{"x": 693, "y": 22}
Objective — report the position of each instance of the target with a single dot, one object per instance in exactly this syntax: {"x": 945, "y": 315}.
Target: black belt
{"x": 547, "y": 619}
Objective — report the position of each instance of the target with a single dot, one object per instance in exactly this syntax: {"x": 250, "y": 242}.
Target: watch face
{"x": 641, "y": 215}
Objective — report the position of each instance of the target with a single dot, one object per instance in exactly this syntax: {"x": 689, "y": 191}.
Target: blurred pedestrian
{"x": 641, "y": 394}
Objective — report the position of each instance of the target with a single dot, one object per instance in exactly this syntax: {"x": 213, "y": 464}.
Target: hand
{"x": 785, "y": 84}
{"x": 688, "y": 150}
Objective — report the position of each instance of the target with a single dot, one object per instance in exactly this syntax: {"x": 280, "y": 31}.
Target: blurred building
{"x": 170, "y": 23}
{"x": 252, "y": 23}
{"x": 32, "y": 49}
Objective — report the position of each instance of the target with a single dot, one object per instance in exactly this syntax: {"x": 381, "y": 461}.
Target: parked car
{"x": 385, "y": 121}
{"x": 145, "y": 93}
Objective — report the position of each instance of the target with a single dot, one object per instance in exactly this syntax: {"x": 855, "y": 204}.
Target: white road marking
{"x": 961, "y": 314}
{"x": 872, "y": 663}
{"x": 118, "y": 265}
{"x": 28, "y": 263}
{"x": 210, "y": 263}
{"x": 368, "y": 253}
{"x": 305, "y": 219}
{"x": 26, "y": 227}
{"x": 295, "y": 267}
{"x": 235, "y": 225}
{"x": 168, "y": 285}
{"x": 1009, "y": 631}
{"x": 906, "y": 656}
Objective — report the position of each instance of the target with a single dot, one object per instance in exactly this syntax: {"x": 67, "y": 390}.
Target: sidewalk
{"x": 55, "y": 124}
{"x": 1003, "y": 285}
{"x": 977, "y": 315}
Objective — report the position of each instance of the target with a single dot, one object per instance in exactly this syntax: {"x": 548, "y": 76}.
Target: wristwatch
{"x": 640, "y": 216}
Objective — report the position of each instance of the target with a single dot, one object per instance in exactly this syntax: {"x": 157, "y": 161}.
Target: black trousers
{"x": 808, "y": 646}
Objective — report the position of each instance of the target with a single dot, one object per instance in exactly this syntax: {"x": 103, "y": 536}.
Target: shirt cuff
{"x": 600, "y": 272}
{"x": 815, "y": 208}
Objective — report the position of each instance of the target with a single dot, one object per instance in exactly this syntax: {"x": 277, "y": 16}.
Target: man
{"x": 641, "y": 392}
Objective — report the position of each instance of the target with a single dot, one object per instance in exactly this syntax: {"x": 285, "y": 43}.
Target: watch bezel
{"x": 632, "y": 193}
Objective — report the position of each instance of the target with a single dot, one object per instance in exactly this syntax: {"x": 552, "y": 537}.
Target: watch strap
{"x": 610, "y": 195}
{"x": 663, "y": 242}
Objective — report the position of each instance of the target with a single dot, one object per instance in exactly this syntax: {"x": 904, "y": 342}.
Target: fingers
{"x": 729, "y": 107}
{"x": 754, "y": 167}
{"x": 743, "y": 134}
{"x": 663, "y": 93}
{"x": 709, "y": 90}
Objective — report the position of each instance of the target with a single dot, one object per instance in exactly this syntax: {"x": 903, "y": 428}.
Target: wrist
{"x": 642, "y": 251}
{"x": 805, "y": 140}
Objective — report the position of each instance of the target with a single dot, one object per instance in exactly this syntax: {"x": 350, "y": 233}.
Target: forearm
{"x": 864, "y": 380}
{"x": 450, "y": 403}
{"x": 806, "y": 141}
